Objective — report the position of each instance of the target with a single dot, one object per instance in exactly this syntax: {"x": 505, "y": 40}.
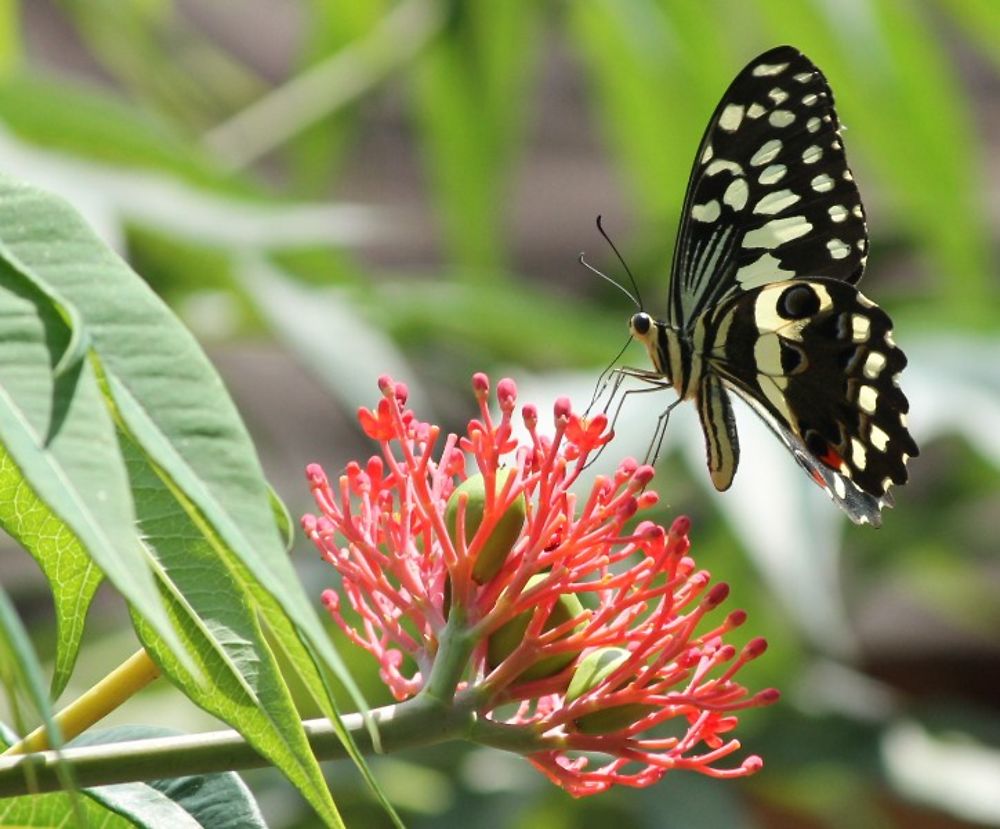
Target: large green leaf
{"x": 54, "y": 425}
{"x": 166, "y": 392}
{"x": 215, "y": 612}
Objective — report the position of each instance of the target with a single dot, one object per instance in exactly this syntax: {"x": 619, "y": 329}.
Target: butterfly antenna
{"x": 621, "y": 259}
{"x": 607, "y": 278}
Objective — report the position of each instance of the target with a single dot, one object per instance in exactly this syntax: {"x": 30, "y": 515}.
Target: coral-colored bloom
{"x": 589, "y": 635}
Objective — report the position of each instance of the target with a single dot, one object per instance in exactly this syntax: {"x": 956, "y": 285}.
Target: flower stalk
{"x": 134, "y": 674}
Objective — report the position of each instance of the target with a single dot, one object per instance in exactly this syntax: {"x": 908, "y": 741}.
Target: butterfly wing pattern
{"x": 762, "y": 299}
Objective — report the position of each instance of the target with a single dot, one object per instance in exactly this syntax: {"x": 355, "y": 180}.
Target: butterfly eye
{"x": 798, "y": 302}
{"x": 640, "y": 324}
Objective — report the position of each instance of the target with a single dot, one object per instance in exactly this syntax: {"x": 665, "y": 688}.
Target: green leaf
{"x": 54, "y": 425}
{"x": 213, "y": 609}
{"x": 71, "y": 573}
{"x": 167, "y": 394}
{"x": 46, "y": 811}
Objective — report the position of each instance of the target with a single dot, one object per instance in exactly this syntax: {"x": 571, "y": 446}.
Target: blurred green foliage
{"x": 449, "y": 94}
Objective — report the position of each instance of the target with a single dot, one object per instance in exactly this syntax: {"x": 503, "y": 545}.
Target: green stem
{"x": 417, "y": 722}
{"x": 456, "y": 644}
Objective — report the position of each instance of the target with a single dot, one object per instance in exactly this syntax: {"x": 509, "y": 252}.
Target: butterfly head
{"x": 660, "y": 340}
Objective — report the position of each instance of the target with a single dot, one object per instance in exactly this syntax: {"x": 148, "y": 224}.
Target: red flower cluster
{"x": 585, "y": 635}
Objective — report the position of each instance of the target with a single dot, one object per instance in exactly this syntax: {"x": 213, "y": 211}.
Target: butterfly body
{"x": 762, "y": 300}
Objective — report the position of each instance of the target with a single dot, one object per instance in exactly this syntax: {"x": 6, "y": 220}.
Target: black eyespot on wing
{"x": 798, "y": 302}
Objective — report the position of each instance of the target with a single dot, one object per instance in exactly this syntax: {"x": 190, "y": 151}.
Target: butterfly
{"x": 762, "y": 298}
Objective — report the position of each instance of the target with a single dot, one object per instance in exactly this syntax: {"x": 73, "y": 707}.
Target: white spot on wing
{"x": 781, "y": 118}
{"x": 736, "y": 194}
{"x": 762, "y": 270}
{"x": 772, "y": 174}
{"x": 775, "y": 202}
{"x": 839, "y": 486}
{"x": 721, "y": 164}
{"x": 707, "y": 212}
{"x": 856, "y": 210}
{"x": 858, "y": 454}
{"x": 755, "y": 111}
{"x": 861, "y": 327}
{"x": 810, "y": 99}
{"x": 838, "y": 212}
{"x": 803, "y": 77}
{"x": 812, "y": 124}
{"x": 766, "y": 154}
{"x": 874, "y": 363}
{"x": 812, "y": 154}
{"x": 778, "y": 95}
{"x": 822, "y": 183}
{"x": 867, "y": 398}
{"x": 838, "y": 249}
{"x": 732, "y": 117}
{"x": 879, "y": 439}
{"x": 776, "y": 232}
{"x": 707, "y": 155}
{"x": 766, "y": 69}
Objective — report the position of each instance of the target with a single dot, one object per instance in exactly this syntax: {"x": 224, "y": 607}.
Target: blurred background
{"x": 326, "y": 191}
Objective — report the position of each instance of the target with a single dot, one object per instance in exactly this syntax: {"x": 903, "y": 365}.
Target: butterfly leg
{"x": 653, "y": 452}
{"x": 654, "y": 381}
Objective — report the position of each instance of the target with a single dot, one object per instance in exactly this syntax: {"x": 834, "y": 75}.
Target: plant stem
{"x": 417, "y": 722}
{"x": 134, "y": 674}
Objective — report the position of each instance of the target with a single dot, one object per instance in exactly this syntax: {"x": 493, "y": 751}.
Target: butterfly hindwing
{"x": 722, "y": 445}
{"x": 817, "y": 360}
{"x": 770, "y": 196}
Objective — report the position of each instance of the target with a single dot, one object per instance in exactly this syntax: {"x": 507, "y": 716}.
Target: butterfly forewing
{"x": 771, "y": 196}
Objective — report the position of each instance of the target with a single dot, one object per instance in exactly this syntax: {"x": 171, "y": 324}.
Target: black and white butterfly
{"x": 762, "y": 300}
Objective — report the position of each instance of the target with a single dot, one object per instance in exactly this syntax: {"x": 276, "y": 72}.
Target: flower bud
{"x": 503, "y": 642}
{"x": 497, "y": 546}
{"x": 590, "y": 673}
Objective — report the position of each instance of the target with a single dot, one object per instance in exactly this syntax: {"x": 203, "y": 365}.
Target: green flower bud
{"x": 503, "y": 642}
{"x": 497, "y": 547}
{"x": 593, "y": 670}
